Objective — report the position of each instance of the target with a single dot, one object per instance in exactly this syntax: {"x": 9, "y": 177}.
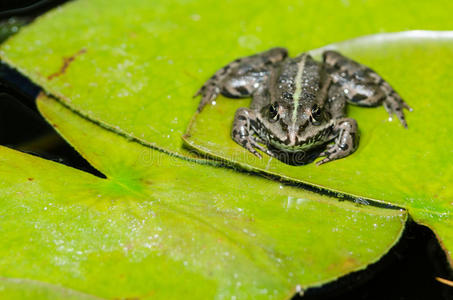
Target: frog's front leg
{"x": 243, "y": 131}
{"x": 362, "y": 86}
{"x": 241, "y": 77}
{"x": 346, "y": 141}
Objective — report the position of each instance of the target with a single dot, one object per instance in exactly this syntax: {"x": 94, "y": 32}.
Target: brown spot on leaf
{"x": 147, "y": 181}
{"x": 30, "y": 179}
{"x": 348, "y": 264}
{"x": 66, "y": 62}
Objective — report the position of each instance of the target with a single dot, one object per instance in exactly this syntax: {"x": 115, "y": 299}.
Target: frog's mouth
{"x": 319, "y": 138}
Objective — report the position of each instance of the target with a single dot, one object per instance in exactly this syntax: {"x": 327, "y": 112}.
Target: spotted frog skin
{"x": 299, "y": 104}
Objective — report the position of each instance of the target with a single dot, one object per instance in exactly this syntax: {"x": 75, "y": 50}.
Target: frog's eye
{"x": 315, "y": 116}
{"x": 273, "y": 112}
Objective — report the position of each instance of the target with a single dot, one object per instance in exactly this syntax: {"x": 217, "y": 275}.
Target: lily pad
{"x": 147, "y": 231}
{"x": 409, "y": 168}
{"x": 158, "y": 226}
{"x": 134, "y": 67}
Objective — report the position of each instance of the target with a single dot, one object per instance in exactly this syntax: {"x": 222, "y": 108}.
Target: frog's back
{"x": 299, "y": 79}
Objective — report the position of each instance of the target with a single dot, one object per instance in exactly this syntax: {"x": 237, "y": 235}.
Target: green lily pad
{"x": 147, "y": 231}
{"x": 134, "y": 67}
{"x": 409, "y": 168}
{"x": 18, "y": 288}
{"x": 162, "y": 227}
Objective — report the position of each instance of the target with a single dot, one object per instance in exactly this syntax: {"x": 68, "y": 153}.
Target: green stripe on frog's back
{"x": 298, "y": 91}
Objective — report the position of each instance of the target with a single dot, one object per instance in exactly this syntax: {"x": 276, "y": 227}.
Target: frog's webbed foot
{"x": 345, "y": 143}
{"x": 243, "y": 133}
{"x": 241, "y": 77}
{"x": 362, "y": 86}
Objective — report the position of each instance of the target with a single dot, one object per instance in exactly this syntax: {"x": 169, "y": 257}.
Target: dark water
{"x": 21, "y": 126}
{"x": 407, "y": 272}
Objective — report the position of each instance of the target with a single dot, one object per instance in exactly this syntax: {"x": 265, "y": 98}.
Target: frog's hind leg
{"x": 362, "y": 86}
{"x": 241, "y": 77}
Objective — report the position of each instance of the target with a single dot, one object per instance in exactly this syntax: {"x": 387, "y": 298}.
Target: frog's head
{"x": 296, "y": 128}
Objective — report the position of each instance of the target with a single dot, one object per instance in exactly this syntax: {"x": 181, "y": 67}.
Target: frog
{"x": 300, "y": 104}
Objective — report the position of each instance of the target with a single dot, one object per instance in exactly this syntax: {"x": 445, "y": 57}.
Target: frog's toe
{"x": 208, "y": 93}
{"x": 406, "y": 106}
{"x": 256, "y": 153}
{"x": 254, "y": 145}
{"x": 395, "y": 106}
{"x": 330, "y": 155}
{"x": 198, "y": 93}
{"x": 251, "y": 148}
{"x": 323, "y": 161}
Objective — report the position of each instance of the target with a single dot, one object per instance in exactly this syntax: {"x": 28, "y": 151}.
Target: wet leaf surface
{"x": 409, "y": 168}
{"x": 162, "y": 227}
{"x": 134, "y": 68}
